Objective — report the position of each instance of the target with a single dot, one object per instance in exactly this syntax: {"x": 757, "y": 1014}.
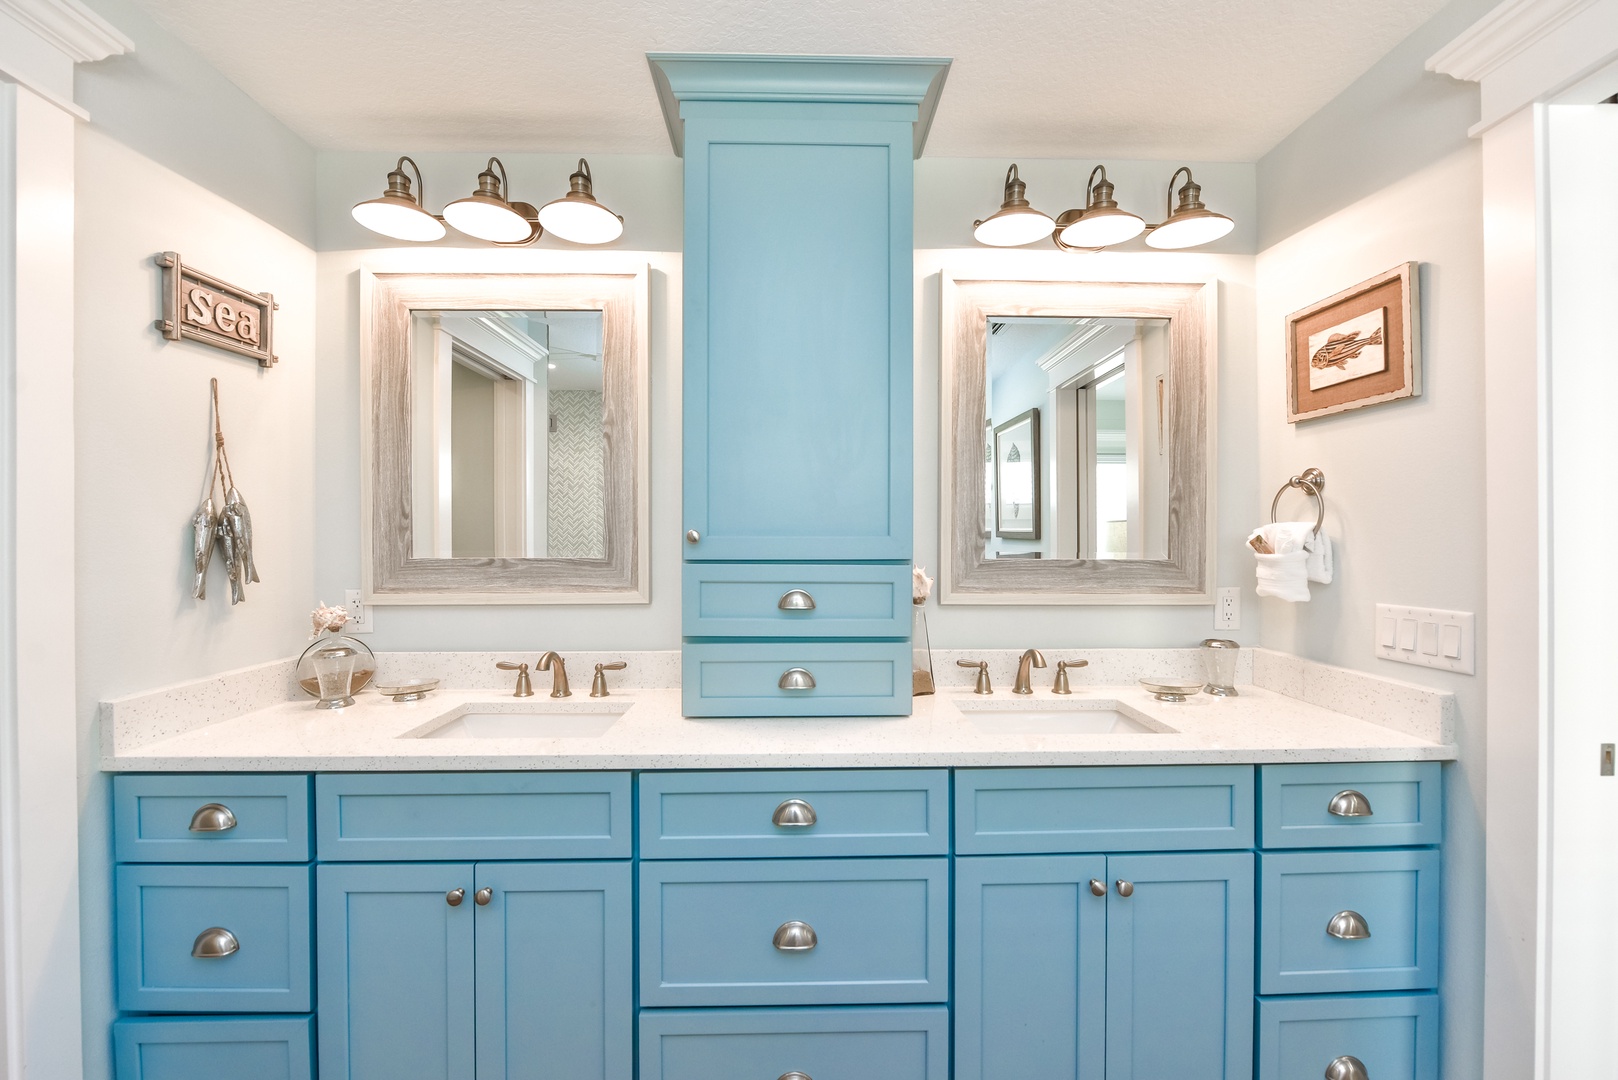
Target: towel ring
{"x": 1312, "y": 481}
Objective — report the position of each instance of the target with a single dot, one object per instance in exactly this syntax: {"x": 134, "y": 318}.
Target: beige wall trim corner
{"x": 71, "y": 27}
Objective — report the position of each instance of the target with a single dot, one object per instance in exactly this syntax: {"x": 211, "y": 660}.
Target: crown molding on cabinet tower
{"x": 70, "y": 27}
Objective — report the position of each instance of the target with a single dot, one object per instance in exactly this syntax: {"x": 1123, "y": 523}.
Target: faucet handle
{"x": 598, "y": 686}
{"x": 525, "y": 688}
{"x": 1061, "y": 686}
{"x": 983, "y": 686}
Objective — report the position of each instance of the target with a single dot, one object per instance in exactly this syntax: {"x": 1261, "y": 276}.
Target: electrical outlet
{"x": 359, "y": 613}
{"x": 1228, "y": 609}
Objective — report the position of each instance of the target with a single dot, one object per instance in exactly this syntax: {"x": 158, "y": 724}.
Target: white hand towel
{"x": 1319, "y": 565}
{"x": 1284, "y": 574}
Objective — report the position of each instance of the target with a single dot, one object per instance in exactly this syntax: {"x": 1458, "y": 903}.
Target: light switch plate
{"x": 1427, "y": 637}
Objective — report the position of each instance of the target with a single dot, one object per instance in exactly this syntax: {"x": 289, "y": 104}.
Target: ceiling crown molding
{"x": 79, "y": 33}
{"x": 1502, "y": 34}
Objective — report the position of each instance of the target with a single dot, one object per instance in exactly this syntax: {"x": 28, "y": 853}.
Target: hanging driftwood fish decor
{"x": 226, "y": 524}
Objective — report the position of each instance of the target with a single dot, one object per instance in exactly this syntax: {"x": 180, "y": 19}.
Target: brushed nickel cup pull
{"x": 794, "y": 814}
{"x": 213, "y": 817}
{"x": 1347, "y": 1067}
{"x": 1126, "y": 888}
{"x": 796, "y": 679}
{"x": 796, "y": 600}
{"x": 795, "y": 937}
{"x": 214, "y": 943}
{"x": 1098, "y": 887}
{"x": 795, "y": 1076}
{"x": 692, "y": 536}
{"x": 454, "y": 897}
{"x": 483, "y": 896}
{"x": 1349, "y": 803}
{"x": 1348, "y": 926}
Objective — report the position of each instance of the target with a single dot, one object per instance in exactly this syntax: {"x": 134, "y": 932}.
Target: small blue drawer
{"x": 822, "y": 600}
{"x": 880, "y": 926}
{"x": 841, "y": 1044}
{"x": 720, "y": 815}
{"x": 211, "y": 1048}
{"x": 163, "y": 913}
{"x": 1405, "y": 800}
{"x": 1109, "y": 808}
{"x": 867, "y": 678}
{"x": 1394, "y": 1036}
{"x": 369, "y": 817}
{"x": 1396, "y": 896}
{"x": 237, "y": 818}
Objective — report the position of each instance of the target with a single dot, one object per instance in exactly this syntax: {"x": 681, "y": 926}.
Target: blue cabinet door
{"x": 1180, "y": 966}
{"x": 1030, "y": 968}
{"x": 555, "y": 1000}
{"x": 395, "y": 983}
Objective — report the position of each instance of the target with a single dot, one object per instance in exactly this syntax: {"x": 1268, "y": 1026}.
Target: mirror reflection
{"x": 1073, "y": 438}
{"x": 507, "y": 434}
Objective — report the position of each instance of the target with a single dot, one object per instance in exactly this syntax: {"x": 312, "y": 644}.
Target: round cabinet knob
{"x": 795, "y": 1076}
{"x": 454, "y": 897}
{"x": 213, "y": 817}
{"x": 214, "y": 943}
{"x": 794, "y": 814}
{"x": 483, "y": 896}
{"x": 1098, "y": 887}
{"x": 692, "y": 536}
{"x": 1348, "y": 926}
{"x": 1349, "y": 803}
{"x": 796, "y": 600}
{"x": 795, "y": 937}
{"x": 796, "y": 679}
{"x": 1126, "y": 888}
{"x": 1347, "y": 1067}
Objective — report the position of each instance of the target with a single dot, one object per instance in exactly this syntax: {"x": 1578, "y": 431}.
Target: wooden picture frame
{"x": 1017, "y": 480}
{"x": 1361, "y": 347}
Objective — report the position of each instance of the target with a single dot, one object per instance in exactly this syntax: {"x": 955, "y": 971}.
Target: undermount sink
{"x": 537, "y": 721}
{"x": 1089, "y": 718}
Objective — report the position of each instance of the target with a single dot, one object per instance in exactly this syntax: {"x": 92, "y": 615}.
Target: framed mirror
{"x": 1076, "y": 442}
{"x": 504, "y": 439}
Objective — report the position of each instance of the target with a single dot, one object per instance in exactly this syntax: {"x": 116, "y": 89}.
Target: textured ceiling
{"x": 1188, "y": 79}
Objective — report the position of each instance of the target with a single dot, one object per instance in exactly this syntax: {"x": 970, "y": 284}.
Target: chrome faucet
{"x": 1024, "y": 683}
{"x": 552, "y": 662}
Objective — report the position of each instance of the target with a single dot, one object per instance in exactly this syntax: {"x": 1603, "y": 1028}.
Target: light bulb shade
{"x": 488, "y": 218}
{"x": 398, "y": 212}
{"x": 1015, "y": 223}
{"x": 1102, "y": 228}
{"x": 577, "y": 217}
{"x": 1190, "y": 229}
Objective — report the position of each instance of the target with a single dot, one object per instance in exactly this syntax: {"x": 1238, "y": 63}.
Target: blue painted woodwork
{"x": 414, "y": 816}
{"x": 214, "y": 1048}
{"x": 1030, "y": 968}
{"x": 869, "y": 678}
{"x": 1122, "y": 808}
{"x": 728, "y": 815}
{"x": 1397, "y": 893}
{"x": 1395, "y": 1036}
{"x": 162, "y": 909}
{"x": 852, "y": 600}
{"x": 396, "y": 971}
{"x": 832, "y": 1044}
{"x": 1406, "y": 803}
{"x": 555, "y": 958}
{"x": 706, "y": 931}
{"x": 152, "y": 818}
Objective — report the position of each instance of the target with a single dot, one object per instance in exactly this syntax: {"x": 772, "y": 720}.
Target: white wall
{"x": 142, "y": 421}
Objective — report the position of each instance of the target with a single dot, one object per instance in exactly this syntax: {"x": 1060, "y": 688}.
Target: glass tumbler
{"x": 1219, "y": 667}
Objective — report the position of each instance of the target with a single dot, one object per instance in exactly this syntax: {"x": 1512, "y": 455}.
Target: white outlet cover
{"x": 1426, "y": 637}
{"x": 359, "y": 612}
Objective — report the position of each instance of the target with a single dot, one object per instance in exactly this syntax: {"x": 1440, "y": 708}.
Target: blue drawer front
{"x": 870, "y": 678}
{"x": 1123, "y": 808}
{"x": 1406, "y": 800}
{"x": 153, "y": 817}
{"x": 1395, "y": 1036}
{"x": 213, "y": 1048}
{"x": 365, "y": 817}
{"x": 162, "y": 910}
{"x": 1395, "y": 892}
{"x": 707, "y": 929}
{"x": 851, "y": 600}
{"x": 721, "y": 815}
{"x": 841, "y": 1044}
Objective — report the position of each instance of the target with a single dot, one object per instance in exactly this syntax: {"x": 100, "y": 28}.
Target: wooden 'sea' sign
{"x": 201, "y": 307}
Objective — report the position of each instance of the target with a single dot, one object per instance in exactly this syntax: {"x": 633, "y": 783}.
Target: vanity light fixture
{"x": 577, "y": 216}
{"x": 398, "y": 213}
{"x": 1191, "y": 223}
{"x": 1101, "y": 223}
{"x": 488, "y": 213}
{"x": 1015, "y": 223}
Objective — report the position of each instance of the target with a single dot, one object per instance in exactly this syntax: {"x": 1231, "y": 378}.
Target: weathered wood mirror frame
{"x": 1186, "y": 576}
{"x": 392, "y": 575}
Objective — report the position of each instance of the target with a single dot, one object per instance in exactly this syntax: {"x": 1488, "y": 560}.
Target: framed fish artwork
{"x": 1361, "y": 347}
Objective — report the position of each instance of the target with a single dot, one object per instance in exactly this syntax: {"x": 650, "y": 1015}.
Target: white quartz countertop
{"x": 378, "y": 734}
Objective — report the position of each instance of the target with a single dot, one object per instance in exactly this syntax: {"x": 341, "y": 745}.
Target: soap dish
{"x": 1167, "y": 689}
{"x": 408, "y": 689}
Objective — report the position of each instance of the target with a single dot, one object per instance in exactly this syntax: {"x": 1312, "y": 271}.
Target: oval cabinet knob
{"x": 1347, "y": 1067}
{"x": 795, "y": 1076}
{"x": 795, "y": 937}
{"x": 1349, "y": 803}
{"x": 1126, "y": 888}
{"x": 454, "y": 897}
{"x": 1098, "y": 887}
{"x": 796, "y": 679}
{"x": 213, "y": 817}
{"x": 692, "y": 536}
{"x": 794, "y": 814}
{"x": 1348, "y": 926}
{"x": 796, "y": 600}
{"x": 214, "y": 943}
{"x": 483, "y": 896}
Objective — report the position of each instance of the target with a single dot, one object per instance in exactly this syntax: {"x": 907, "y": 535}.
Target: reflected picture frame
{"x": 1017, "y": 479}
